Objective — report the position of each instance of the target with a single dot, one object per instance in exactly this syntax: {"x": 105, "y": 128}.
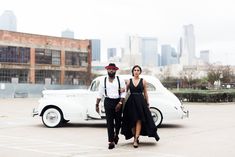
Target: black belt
{"x": 137, "y": 93}
{"x": 111, "y": 98}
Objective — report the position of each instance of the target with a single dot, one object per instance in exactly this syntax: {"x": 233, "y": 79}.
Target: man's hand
{"x": 97, "y": 109}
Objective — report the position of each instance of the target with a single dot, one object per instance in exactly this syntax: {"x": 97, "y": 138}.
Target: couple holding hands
{"x": 134, "y": 119}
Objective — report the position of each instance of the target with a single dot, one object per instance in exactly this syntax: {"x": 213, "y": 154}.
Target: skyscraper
{"x": 188, "y": 46}
{"x": 8, "y": 21}
{"x": 204, "y": 56}
{"x": 95, "y": 44}
{"x": 169, "y": 55}
{"x": 149, "y": 51}
{"x": 112, "y": 52}
{"x": 134, "y": 50}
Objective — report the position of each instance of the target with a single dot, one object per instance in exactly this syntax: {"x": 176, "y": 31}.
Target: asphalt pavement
{"x": 208, "y": 132}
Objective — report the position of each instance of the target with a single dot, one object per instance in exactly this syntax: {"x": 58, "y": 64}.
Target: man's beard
{"x": 112, "y": 74}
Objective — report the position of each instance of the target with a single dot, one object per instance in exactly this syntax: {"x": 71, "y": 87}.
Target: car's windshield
{"x": 95, "y": 85}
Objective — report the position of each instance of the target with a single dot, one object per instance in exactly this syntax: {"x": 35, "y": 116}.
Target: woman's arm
{"x": 145, "y": 92}
{"x": 127, "y": 85}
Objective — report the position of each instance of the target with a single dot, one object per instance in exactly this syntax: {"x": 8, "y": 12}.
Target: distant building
{"x": 159, "y": 59}
{"x": 169, "y": 55}
{"x": 142, "y": 51}
{"x": 149, "y": 51}
{"x": 8, "y": 21}
{"x": 204, "y": 56}
{"x": 38, "y": 59}
{"x": 116, "y": 54}
{"x": 95, "y": 46}
{"x": 188, "y": 46}
{"x": 67, "y": 34}
{"x": 112, "y": 52}
{"x": 134, "y": 50}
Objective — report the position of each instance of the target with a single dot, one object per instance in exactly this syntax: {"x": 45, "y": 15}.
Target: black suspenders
{"x": 105, "y": 90}
{"x": 119, "y": 86}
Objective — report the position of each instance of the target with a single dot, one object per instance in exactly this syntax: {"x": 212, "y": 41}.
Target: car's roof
{"x": 150, "y": 79}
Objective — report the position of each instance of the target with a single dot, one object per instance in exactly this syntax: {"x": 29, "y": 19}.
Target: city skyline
{"x": 112, "y": 21}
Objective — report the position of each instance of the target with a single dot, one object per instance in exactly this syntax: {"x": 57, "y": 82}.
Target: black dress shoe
{"x": 111, "y": 145}
{"x": 116, "y": 138}
{"x": 157, "y": 138}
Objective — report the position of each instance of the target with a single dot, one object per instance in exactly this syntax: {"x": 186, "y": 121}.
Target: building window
{"x": 13, "y": 54}
{"x": 83, "y": 59}
{"x": 47, "y": 77}
{"x": 55, "y": 57}
{"x": 47, "y": 56}
{"x": 75, "y": 78}
{"x": 7, "y": 75}
{"x": 76, "y": 58}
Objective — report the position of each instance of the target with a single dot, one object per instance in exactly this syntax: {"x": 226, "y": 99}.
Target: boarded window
{"x": 47, "y": 56}
{"x": 76, "y": 58}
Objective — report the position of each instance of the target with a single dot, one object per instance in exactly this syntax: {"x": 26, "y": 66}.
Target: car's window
{"x": 150, "y": 87}
{"x": 95, "y": 85}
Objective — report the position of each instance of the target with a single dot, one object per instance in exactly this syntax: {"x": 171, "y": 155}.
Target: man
{"x": 113, "y": 89}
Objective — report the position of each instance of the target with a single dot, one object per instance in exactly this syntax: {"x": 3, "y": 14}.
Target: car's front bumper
{"x": 35, "y": 112}
{"x": 185, "y": 113}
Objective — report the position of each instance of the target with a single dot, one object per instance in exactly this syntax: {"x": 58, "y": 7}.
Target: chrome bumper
{"x": 186, "y": 114}
{"x": 35, "y": 112}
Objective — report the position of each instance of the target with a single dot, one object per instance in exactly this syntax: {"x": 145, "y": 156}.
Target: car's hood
{"x": 64, "y": 92}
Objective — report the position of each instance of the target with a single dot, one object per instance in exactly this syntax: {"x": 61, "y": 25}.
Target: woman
{"x": 137, "y": 119}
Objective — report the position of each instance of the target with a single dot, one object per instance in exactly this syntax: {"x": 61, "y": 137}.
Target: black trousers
{"x": 113, "y": 118}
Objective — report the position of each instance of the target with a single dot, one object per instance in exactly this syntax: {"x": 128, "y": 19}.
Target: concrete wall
{"x": 9, "y": 90}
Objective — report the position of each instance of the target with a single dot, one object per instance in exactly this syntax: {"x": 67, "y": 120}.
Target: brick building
{"x": 39, "y": 59}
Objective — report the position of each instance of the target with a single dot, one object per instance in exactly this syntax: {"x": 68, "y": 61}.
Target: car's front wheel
{"x": 157, "y": 116}
{"x": 52, "y": 117}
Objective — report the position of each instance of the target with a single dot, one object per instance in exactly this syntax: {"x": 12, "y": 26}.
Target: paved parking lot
{"x": 209, "y": 132}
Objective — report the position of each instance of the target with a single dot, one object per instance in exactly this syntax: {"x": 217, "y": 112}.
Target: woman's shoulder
{"x": 143, "y": 80}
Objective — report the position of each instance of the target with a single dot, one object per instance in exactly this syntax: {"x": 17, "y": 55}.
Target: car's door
{"x": 93, "y": 93}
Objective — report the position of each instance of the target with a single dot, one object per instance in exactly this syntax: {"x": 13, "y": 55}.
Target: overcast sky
{"x": 113, "y": 20}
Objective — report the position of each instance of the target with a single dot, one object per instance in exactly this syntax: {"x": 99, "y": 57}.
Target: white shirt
{"x": 112, "y": 88}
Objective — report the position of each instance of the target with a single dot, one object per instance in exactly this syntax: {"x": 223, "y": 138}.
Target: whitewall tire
{"x": 52, "y": 117}
{"x": 157, "y": 116}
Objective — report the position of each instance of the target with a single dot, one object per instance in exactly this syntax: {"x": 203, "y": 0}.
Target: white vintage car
{"x": 60, "y": 106}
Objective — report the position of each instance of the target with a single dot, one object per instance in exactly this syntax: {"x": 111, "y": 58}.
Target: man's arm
{"x": 123, "y": 95}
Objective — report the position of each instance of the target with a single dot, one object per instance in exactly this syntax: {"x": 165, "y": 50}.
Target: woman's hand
{"x": 147, "y": 104}
{"x": 122, "y": 90}
{"x": 118, "y": 107}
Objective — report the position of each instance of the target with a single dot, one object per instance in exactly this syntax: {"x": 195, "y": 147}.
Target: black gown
{"x": 137, "y": 109}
